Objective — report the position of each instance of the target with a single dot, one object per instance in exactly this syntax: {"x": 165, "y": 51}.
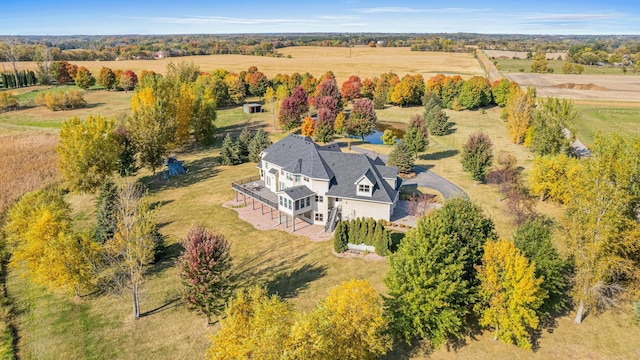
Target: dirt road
{"x": 492, "y": 72}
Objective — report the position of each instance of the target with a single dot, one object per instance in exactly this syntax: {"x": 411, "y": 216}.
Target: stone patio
{"x": 260, "y": 217}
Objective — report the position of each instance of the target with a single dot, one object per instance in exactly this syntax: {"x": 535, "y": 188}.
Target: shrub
{"x": 362, "y": 231}
{"x": 341, "y": 237}
{"x": 8, "y": 101}
{"x": 66, "y": 100}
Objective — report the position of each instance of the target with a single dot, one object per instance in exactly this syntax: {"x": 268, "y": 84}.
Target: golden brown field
{"x": 602, "y": 87}
{"x": 364, "y": 62}
{"x": 29, "y": 163}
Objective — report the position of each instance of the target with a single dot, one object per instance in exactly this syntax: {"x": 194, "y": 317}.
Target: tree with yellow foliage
{"x": 256, "y": 326}
{"x": 350, "y": 323}
{"x": 347, "y": 324}
{"x": 519, "y": 108}
{"x": 39, "y": 235}
{"x": 510, "y": 293}
{"x": 549, "y": 177}
{"x": 308, "y": 126}
{"x": 184, "y": 113}
{"x": 88, "y": 152}
{"x": 600, "y": 226}
{"x": 152, "y": 123}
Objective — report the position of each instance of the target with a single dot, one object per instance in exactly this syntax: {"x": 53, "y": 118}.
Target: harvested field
{"x": 29, "y": 163}
{"x": 585, "y": 87}
{"x": 589, "y": 86}
{"x": 505, "y": 54}
{"x": 361, "y": 61}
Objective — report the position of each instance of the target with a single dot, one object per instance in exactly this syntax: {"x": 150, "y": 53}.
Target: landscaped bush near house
{"x": 362, "y": 231}
{"x": 66, "y": 100}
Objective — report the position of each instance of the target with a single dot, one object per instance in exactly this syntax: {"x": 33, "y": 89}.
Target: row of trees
{"x": 600, "y": 195}
{"x": 40, "y": 238}
{"x": 247, "y": 147}
{"x": 362, "y": 231}
{"x": 452, "y": 266}
{"x": 20, "y": 79}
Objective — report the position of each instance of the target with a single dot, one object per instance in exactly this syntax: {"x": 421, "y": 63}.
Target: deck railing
{"x": 241, "y": 186}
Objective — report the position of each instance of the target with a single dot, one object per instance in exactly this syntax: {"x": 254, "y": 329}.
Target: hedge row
{"x": 362, "y": 231}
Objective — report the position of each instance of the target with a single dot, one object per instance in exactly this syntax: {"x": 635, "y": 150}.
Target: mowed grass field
{"x": 344, "y": 62}
{"x": 619, "y": 117}
{"x": 516, "y": 65}
{"x": 98, "y": 326}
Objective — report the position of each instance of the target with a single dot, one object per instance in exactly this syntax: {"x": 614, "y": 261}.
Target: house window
{"x": 297, "y": 204}
{"x": 268, "y": 180}
{"x": 308, "y": 201}
{"x": 306, "y": 179}
{"x": 266, "y": 165}
{"x": 319, "y": 217}
{"x": 282, "y": 186}
{"x": 289, "y": 177}
{"x": 281, "y": 172}
{"x": 363, "y": 188}
{"x": 297, "y": 178}
{"x": 280, "y": 197}
{"x": 289, "y": 204}
{"x": 319, "y": 199}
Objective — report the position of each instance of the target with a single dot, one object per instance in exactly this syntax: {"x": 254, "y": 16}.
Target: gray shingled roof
{"x": 298, "y": 192}
{"x": 350, "y": 167}
{"x": 298, "y": 153}
{"x": 273, "y": 171}
{"x": 387, "y": 172}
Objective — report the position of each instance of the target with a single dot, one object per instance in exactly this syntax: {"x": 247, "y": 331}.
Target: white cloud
{"x": 346, "y": 17}
{"x": 572, "y": 17}
{"x": 393, "y": 9}
{"x": 198, "y": 20}
{"x": 354, "y": 24}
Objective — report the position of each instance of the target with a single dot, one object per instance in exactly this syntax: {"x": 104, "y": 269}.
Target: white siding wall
{"x": 357, "y": 208}
{"x": 320, "y": 187}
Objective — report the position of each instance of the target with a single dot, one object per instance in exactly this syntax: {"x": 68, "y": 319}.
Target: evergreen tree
{"x": 126, "y": 162}
{"x": 258, "y": 143}
{"x": 341, "y": 237}
{"x": 417, "y": 135}
{"x": 106, "y": 212}
{"x": 533, "y": 238}
{"x": 428, "y": 295}
{"x": 401, "y": 157}
{"x": 243, "y": 143}
{"x": 436, "y": 119}
{"x": 477, "y": 155}
{"x": 229, "y": 153}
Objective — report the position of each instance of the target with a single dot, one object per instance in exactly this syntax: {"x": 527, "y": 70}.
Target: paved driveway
{"x": 423, "y": 177}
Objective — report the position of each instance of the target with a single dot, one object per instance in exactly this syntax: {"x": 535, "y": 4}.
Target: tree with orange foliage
{"x": 350, "y": 89}
{"x": 308, "y": 126}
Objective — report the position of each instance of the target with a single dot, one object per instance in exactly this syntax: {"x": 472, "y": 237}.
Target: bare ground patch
{"x": 618, "y": 87}
{"x": 589, "y": 86}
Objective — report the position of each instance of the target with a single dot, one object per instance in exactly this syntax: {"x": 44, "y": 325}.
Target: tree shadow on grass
{"x": 198, "y": 170}
{"x": 168, "y": 259}
{"x": 169, "y": 304}
{"x": 288, "y": 284}
{"x": 440, "y": 155}
{"x": 451, "y": 128}
{"x": 236, "y": 129}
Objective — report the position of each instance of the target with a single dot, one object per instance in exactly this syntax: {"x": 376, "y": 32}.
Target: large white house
{"x": 320, "y": 184}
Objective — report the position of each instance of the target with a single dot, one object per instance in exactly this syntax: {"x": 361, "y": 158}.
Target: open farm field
{"x": 99, "y": 102}
{"x": 516, "y": 65}
{"x": 582, "y": 87}
{"x": 28, "y": 162}
{"x": 364, "y": 62}
{"x": 502, "y": 54}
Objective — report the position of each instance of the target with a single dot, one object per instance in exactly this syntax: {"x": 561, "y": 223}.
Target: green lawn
{"x": 623, "y": 119}
{"x": 522, "y": 65}
{"x": 99, "y": 326}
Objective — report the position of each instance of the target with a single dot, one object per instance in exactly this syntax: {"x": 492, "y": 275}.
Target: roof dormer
{"x": 365, "y": 184}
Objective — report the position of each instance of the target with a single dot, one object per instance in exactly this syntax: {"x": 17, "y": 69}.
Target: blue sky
{"x": 29, "y": 17}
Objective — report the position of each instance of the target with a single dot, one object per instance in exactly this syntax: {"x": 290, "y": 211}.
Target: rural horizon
{"x": 285, "y": 191}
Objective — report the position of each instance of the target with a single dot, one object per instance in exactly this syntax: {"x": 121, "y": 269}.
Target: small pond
{"x": 397, "y": 128}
